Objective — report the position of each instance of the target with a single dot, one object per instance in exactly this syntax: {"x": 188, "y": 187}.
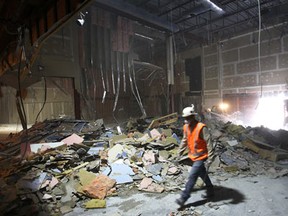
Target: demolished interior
{"x": 91, "y": 95}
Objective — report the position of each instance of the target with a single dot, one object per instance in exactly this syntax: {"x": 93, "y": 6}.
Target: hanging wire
{"x": 21, "y": 110}
{"x": 20, "y": 94}
{"x": 259, "y": 47}
{"x": 45, "y": 99}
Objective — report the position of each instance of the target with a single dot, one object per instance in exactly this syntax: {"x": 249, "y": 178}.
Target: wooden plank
{"x": 165, "y": 120}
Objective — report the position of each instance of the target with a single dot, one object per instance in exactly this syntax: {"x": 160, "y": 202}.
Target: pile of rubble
{"x": 58, "y": 164}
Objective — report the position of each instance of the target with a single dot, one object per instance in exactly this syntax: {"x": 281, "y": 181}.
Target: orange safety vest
{"x": 197, "y": 146}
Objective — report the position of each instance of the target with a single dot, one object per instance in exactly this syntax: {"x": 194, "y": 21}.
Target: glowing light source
{"x": 270, "y": 112}
{"x": 223, "y": 106}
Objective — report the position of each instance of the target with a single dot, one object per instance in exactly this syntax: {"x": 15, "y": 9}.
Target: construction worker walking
{"x": 197, "y": 138}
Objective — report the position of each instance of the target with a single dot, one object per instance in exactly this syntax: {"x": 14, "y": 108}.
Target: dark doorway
{"x": 193, "y": 70}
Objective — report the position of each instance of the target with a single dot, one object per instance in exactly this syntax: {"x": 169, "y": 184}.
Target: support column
{"x": 170, "y": 73}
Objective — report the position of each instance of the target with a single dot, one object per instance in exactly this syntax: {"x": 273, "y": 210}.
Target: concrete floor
{"x": 236, "y": 196}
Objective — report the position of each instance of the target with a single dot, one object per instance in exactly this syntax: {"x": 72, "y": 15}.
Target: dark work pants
{"x": 198, "y": 170}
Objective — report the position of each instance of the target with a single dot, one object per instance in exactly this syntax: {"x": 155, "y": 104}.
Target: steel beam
{"x": 135, "y": 13}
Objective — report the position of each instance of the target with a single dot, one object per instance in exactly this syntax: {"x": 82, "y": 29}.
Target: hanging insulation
{"x": 103, "y": 84}
{"x": 137, "y": 95}
{"x": 112, "y": 72}
{"x": 118, "y": 82}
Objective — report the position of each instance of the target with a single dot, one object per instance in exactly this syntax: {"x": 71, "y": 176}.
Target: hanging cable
{"x": 45, "y": 99}
{"x": 21, "y": 110}
{"x": 19, "y": 98}
{"x": 259, "y": 48}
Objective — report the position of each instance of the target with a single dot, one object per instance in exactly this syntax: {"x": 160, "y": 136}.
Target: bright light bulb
{"x": 223, "y": 106}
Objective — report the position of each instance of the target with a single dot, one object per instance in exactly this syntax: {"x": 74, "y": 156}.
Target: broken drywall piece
{"x": 145, "y": 183}
{"x": 157, "y": 178}
{"x": 164, "y": 170}
{"x": 54, "y": 181}
{"x": 47, "y": 197}
{"x": 95, "y": 203}
{"x": 154, "y": 169}
{"x": 149, "y": 157}
{"x": 95, "y": 150}
{"x": 163, "y": 155}
{"x": 144, "y": 138}
{"x": 170, "y": 141}
{"x": 148, "y": 185}
{"x": 127, "y": 141}
{"x": 153, "y": 187}
{"x": 41, "y": 147}
{"x": 99, "y": 187}
{"x": 116, "y": 138}
{"x": 173, "y": 170}
{"x": 232, "y": 142}
{"x": 271, "y": 154}
{"x": 74, "y": 138}
{"x": 120, "y": 172}
{"x": 115, "y": 152}
{"x": 86, "y": 177}
{"x": 166, "y": 132}
{"x": 155, "y": 134}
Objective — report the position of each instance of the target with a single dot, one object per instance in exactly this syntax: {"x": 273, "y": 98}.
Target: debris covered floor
{"x": 74, "y": 167}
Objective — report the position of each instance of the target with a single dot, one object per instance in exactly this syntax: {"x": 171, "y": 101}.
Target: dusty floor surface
{"x": 235, "y": 196}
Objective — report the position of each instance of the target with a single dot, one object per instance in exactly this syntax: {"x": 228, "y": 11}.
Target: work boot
{"x": 209, "y": 193}
{"x": 180, "y": 202}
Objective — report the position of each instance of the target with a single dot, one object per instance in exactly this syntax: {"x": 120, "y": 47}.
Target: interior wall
{"x": 234, "y": 67}
{"x": 231, "y": 67}
{"x": 57, "y": 101}
{"x": 88, "y": 55}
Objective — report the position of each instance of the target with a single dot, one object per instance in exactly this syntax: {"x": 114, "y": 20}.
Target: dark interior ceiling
{"x": 15, "y": 14}
{"x": 192, "y": 22}
{"x": 200, "y": 22}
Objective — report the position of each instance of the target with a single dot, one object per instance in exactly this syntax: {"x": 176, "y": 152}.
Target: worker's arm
{"x": 183, "y": 144}
{"x": 205, "y": 134}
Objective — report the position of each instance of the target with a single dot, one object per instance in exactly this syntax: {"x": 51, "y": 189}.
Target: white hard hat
{"x": 188, "y": 111}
